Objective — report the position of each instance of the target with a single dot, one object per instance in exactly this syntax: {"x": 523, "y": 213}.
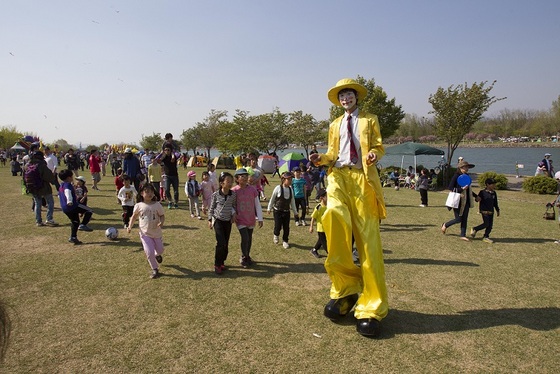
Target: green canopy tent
{"x": 413, "y": 149}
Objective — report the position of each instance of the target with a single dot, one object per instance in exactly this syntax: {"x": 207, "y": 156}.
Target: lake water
{"x": 500, "y": 160}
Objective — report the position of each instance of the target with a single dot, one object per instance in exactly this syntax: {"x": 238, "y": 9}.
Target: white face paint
{"x": 348, "y": 100}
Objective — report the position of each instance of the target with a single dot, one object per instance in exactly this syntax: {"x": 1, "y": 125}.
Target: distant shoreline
{"x": 495, "y": 145}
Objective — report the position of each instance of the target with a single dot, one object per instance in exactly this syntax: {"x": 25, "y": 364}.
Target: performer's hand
{"x": 371, "y": 158}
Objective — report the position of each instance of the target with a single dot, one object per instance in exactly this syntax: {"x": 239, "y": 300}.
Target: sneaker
{"x": 159, "y": 259}
{"x": 155, "y": 274}
{"x": 298, "y": 223}
{"x": 75, "y": 241}
{"x": 176, "y": 206}
{"x": 250, "y": 261}
{"x": 125, "y": 226}
{"x": 314, "y": 253}
{"x": 199, "y": 217}
{"x": 422, "y": 205}
{"x": 169, "y": 206}
{"x": 51, "y": 223}
{"x": 557, "y": 242}
{"x": 218, "y": 269}
{"x": 39, "y": 224}
{"x": 473, "y": 233}
{"x": 275, "y": 239}
{"x": 487, "y": 240}
{"x": 84, "y": 228}
{"x": 285, "y": 245}
{"x": 192, "y": 215}
{"x": 302, "y": 222}
{"x": 224, "y": 268}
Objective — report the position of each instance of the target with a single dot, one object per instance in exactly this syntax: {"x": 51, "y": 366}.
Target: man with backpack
{"x": 38, "y": 178}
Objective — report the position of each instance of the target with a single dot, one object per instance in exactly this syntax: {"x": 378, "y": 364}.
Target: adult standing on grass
{"x": 131, "y": 167}
{"x": 355, "y": 207}
{"x": 547, "y": 165}
{"x": 42, "y": 188}
{"x": 169, "y": 162}
{"x": 467, "y": 200}
{"x": 95, "y": 168}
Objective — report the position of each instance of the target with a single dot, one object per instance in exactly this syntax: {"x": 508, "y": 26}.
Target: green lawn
{"x": 455, "y": 306}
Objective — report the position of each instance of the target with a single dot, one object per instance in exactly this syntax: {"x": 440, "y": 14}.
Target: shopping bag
{"x": 453, "y": 199}
{"x": 549, "y": 214}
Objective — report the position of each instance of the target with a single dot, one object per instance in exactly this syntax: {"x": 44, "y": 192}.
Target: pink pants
{"x": 152, "y": 247}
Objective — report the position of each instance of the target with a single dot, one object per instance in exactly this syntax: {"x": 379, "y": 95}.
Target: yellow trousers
{"x": 352, "y": 209}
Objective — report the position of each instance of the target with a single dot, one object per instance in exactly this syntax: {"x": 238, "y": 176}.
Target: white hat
{"x": 557, "y": 175}
{"x": 128, "y": 150}
{"x": 547, "y": 154}
{"x": 80, "y": 178}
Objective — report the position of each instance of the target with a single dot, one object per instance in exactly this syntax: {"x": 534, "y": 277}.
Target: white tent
{"x": 266, "y": 163}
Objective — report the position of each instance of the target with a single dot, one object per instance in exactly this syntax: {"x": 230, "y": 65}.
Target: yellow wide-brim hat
{"x": 346, "y": 83}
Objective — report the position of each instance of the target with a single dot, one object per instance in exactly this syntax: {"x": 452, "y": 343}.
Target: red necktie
{"x": 353, "y": 151}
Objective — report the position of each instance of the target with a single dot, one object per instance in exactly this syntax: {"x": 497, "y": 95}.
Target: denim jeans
{"x": 38, "y": 204}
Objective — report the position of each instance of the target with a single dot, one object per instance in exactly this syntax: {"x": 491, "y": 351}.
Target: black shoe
{"x": 159, "y": 259}
{"x": 314, "y": 253}
{"x": 155, "y": 274}
{"x": 369, "y": 327}
{"x": 75, "y": 241}
{"x": 338, "y": 308}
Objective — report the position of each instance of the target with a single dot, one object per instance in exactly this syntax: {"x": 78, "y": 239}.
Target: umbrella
{"x": 290, "y": 161}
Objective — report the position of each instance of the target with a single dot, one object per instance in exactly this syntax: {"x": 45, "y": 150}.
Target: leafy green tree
{"x": 272, "y": 132}
{"x": 237, "y": 136}
{"x": 152, "y": 142}
{"x": 190, "y": 139}
{"x": 376, "y": 102}
{"x": 9, "y": 135}
{"x": 457, "y": 109}
{"x": 61, "y": 145}
{"x": 305, "y": 130}
{"x": 209, "y": 129}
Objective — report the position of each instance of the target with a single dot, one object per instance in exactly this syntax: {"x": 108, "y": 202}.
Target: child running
{"x": 151, "y": 217}
{"x": 488, "y": 201}
{"x": 71, "y": 207}
{"x": 282, "y": 201}
{"x": 220, "y": 218}
{"x": 127, "y": 195}
{"x": 192, "y": 190}
{"x": 247, "y": 207}
{"x": 317, "y": 217}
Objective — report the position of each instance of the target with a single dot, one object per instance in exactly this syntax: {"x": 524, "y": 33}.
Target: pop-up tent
{"x": 266, "y": 163}
{"x": 413, "y": 149}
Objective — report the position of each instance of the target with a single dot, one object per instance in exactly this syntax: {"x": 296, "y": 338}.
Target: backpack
{"x": 32, "y": 178}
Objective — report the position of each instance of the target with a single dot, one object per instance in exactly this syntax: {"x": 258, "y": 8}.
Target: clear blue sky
{"x": 112, "y": 71}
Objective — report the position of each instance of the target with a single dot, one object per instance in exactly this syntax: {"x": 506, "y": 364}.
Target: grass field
{"x": 455, "y": 306}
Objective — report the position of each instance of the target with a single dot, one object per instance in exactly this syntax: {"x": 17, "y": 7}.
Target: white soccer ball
{"x": 112, "y": 233}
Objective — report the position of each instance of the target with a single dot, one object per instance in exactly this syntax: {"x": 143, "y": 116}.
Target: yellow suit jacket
{"x": 370, "y": 141}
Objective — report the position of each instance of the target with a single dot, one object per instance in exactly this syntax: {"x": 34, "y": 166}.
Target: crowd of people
{"x": 347, "y": 188}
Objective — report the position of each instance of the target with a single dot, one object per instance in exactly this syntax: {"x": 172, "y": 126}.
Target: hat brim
{"x": 333, "y": 92}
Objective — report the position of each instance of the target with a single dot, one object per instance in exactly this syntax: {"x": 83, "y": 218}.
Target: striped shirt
{"x": 221, "y": 206}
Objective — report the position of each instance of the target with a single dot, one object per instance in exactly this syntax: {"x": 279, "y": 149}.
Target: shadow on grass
{"x": 428, "y": 261}
{"x": 408, "y": 322}
{"x": 522, "y": 240}
{"x": 258, "y": 270}
{"x": 405, "y": 227}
